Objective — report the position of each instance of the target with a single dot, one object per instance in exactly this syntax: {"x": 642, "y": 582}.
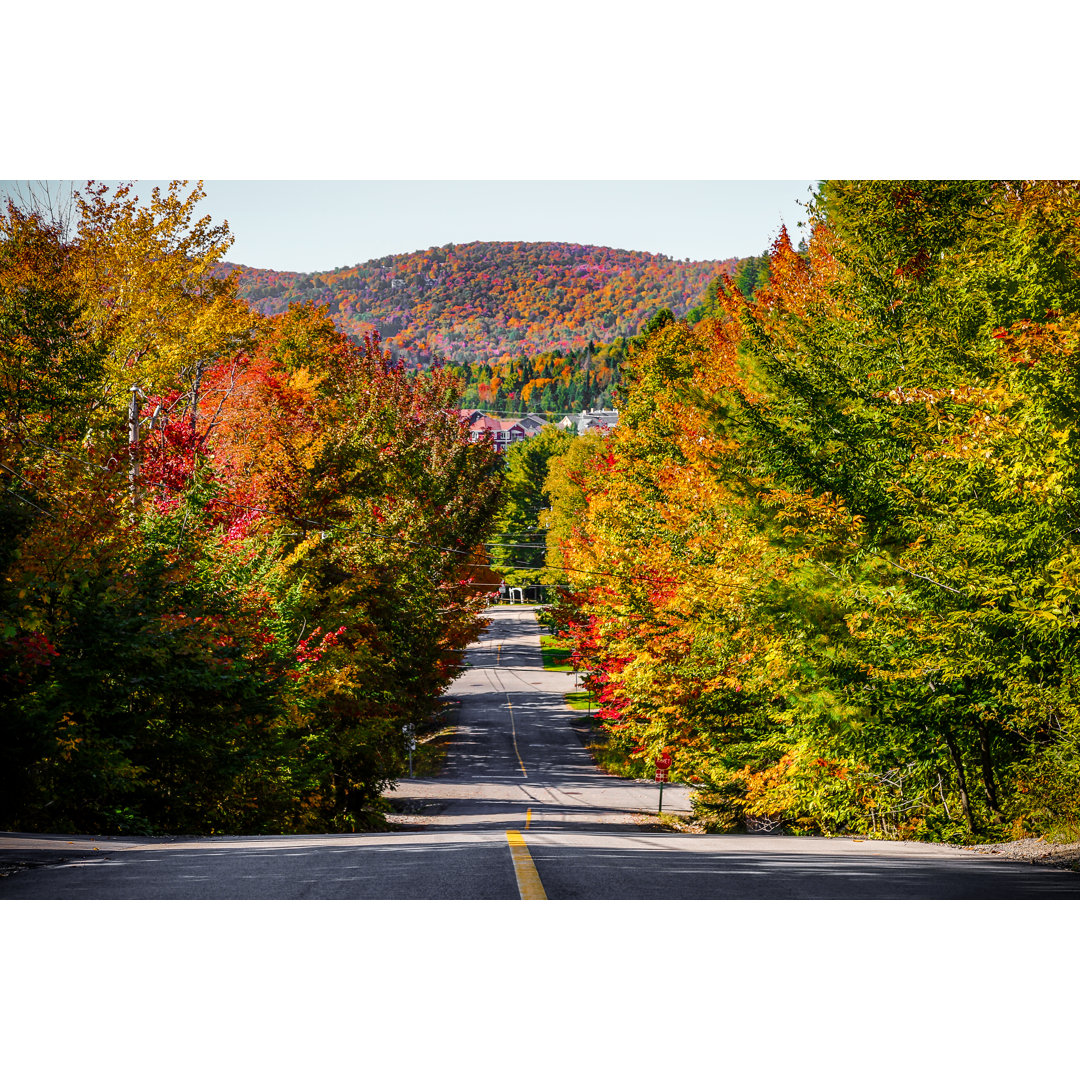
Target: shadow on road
{"x": 478, "y": 866}
{"x": 696, "y": 872}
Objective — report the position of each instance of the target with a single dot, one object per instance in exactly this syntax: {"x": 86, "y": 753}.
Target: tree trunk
{"x": 195, "y": 384}
{"x": 958, "y": 764}
{"x": 941, "y": 794}
{"x": 988, "y": 769}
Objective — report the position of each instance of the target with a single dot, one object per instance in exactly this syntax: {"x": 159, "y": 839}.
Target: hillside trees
{"x": 237, "y": 646}
{"x": 476, "y": 302}
{"x": 548, "y": 383}
{"x": 753, "y": 274}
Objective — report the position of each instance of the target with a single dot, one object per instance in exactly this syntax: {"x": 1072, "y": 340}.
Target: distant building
{"x": 533, "y": 424}
{"x": 503, "y": 432}
{"x": 579, "y": 423}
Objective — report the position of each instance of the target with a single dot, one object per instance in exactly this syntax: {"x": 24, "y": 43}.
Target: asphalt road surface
{"x": 519, "y": 812}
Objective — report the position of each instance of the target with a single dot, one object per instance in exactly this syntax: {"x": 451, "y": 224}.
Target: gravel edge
{"x": 1031, "y": 850}
{"x": 1035, "y": 851}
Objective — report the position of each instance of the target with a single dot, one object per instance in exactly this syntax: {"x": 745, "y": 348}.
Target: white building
{"x": 590, "y": 418}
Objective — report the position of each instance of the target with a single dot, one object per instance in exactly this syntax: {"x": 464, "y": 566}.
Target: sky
{"x": 310, "y": 225}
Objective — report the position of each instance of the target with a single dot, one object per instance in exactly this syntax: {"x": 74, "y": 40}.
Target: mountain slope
{"x": 482, "y": 301}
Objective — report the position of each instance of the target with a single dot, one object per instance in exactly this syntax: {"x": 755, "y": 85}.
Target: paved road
{"x": 520, "y": 812}
{"x": 516, "y": 760}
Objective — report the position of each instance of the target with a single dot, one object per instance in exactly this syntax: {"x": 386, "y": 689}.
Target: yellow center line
{"x": 528, "y": 816}
{"x": 528, "y": 880}
{"x": 513, "y": 734}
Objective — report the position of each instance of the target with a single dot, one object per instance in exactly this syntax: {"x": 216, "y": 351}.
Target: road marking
{"x": 528, "y": 880}
{"x": 513, "y": 733}
{"x": 497, "y": 686}
{"x": 528, "y": 816}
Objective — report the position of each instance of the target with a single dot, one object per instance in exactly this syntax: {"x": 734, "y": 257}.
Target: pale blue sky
{"x": 312, "y": 225}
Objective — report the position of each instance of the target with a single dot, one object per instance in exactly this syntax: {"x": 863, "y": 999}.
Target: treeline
{"x": 234, "y": 561}
{"x": 555, "y": 383}
{"x": 484, "y": 303}
{"x": 830, "y": 557}
{"x": 552, "y": 383}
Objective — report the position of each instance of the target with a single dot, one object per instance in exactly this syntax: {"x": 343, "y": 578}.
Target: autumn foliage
{"x": 829, "y": 557}
{"x": 484, "y": 303}
{"x": 225, "y": 625}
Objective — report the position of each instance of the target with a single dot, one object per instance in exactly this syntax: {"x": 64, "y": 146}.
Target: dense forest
{"x": 486, "y": 303}
{"x": 236, "y": 550}
{"x": 551, "y": 384}
{"x": 829, "y": 559}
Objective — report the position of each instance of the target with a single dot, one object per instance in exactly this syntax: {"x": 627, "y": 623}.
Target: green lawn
{"x": 556, "y": 655}
{"x": 580, "y": 699}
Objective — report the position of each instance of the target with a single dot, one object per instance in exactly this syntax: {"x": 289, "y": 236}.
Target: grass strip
{"x": 556, "y": 656}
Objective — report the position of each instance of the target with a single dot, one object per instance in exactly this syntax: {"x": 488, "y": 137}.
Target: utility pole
{"x": 133, "y": 449}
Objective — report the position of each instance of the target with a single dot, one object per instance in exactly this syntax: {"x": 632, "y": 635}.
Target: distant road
{"x": 519, "y": 812}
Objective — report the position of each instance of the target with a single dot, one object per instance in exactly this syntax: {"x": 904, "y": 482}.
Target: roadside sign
{"x": 662, "y": 764}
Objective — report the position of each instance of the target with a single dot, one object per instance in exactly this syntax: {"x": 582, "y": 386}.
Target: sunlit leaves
{"x": 877, "y": 452}
{"x": 230, "y": 635}
{"x": 151, "y": 297}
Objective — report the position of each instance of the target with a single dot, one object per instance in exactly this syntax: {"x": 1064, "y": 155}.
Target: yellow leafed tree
{"x": 152, "y": 295}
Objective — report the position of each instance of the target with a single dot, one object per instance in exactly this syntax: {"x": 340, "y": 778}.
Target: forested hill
{"x": 479, "y": 302}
